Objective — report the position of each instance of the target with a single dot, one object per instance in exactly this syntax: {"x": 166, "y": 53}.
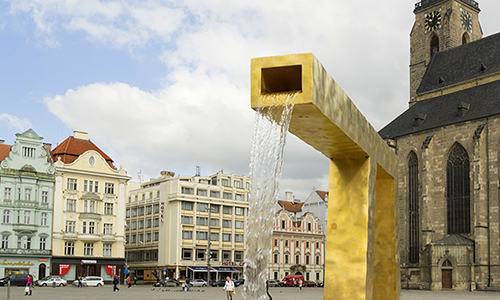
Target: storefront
{"x": 71, "y": 269}
{"x": 38, "y": 267}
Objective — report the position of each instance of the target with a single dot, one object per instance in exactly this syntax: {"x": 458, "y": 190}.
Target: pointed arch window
{"x": 413, "y": 208}
{"x": 434, "y": 45}
{"x": 458, "y": 191}
{"x": 465, "y": 38}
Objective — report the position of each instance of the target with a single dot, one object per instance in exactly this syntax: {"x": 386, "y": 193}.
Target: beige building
{"x": 168, "y": 230}
{"x": 297, "y": 243}
{"x": 89, "y": 211}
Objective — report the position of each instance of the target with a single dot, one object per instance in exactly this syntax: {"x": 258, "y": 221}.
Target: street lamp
{"x": 209, "y": 254}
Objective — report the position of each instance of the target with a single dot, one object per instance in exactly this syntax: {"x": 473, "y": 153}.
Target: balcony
{"x": 108, "y": 237}
{"x": 25, "y": 251}
{"x": 70, "y": 235}
{"x": 89, "y": 237}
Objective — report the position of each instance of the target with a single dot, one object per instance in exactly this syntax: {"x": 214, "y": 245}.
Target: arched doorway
{"x": 41, "y": 271}
{"x": 447, "y": 275}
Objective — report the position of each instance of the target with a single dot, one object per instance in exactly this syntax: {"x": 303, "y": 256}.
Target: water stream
{"x": 272, "y": 119}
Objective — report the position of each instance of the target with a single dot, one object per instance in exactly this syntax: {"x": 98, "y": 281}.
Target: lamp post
{"x": 209, "y": 254}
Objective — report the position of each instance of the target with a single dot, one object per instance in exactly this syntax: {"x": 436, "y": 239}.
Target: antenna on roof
{"x": 197, "y": 172}
{"x": 139, "y": 176}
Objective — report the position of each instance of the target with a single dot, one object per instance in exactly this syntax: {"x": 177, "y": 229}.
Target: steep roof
{"x": 454, "y": 239}
{"x": 70, "y": 149}
{"x": 323, "y": 195}
{"x": 289, "y": 206}
{"x": 482, "y": 101}
{"x": 4, "y": 151}
{"x": 461, "y": 64}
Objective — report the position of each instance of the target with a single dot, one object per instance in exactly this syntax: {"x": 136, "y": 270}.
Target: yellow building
{"x": 167, "y": 226}
{"x": 89, "y": 211}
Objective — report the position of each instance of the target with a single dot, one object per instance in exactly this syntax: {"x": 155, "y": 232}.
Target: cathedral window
{"x": 434, "y": 45}
{"x": 413, "y": 209}
{"x": 458, "y": 191}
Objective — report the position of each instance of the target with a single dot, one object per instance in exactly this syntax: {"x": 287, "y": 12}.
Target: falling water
{"x": 272, "y": 119}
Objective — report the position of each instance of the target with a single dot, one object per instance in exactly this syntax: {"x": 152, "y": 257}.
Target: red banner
{"x": 63, "y": 269}
{"x": 111, "y": 270}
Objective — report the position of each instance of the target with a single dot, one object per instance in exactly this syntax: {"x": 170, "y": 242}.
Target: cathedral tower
{"x": 439, "y": 25}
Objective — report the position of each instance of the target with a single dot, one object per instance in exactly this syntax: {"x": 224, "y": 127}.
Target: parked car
{"x": 90, "y": 281}
{"x": 319, "y": 284}
{"x": 221, "y": 282}
{"x": 165, "y": 282}
{"x": 309, "y": 283}
{"x": 239, "y": 282}
{"x": 198, "y": 282}
{"x": 291, "y": 280}
{"x": 50, "y": 280}
{"x": 273, "y": 283}
{"x": 16, "y": 279}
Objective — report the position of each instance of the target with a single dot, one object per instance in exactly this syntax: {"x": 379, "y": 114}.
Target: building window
{"x": 275, "y": 275}
{"x": 19, "y": 242}
{"x": 227, "y": 210}
{"x": 202, "y": 207}
{"x": 28, "y": 243}
{"x": 225, "y": 182}
{"x": 5, "y": 241}
{"x": 286, "y": 243}
{"x": 107, "y": 249}
{"x": 297, "y": 259}
{"x": 215, "y": 208}
{"x": 286, "y": 258}
{"x": 186, "y": 220}
{"x": 238, "y": 184}
{"x": 27, "y": 217}
{"x": 91, "y": 186}
{"x": 238, "y": 238}
{"x": 127, "y": 213}
{"x": 317, "y": 276}
{"x": 200, "y": 254}
{"x": 413, "y": 209}
{"x": 214, "y": 236}
{"x": 70, "y": 226}
{"x": 149, "y": 209}
{"x": 307, "y": 244}
{"x": 434, "y": 45}
{"x": 240, "y": 211}
{"x": 42, "y": 243}
{"x": 140, "y": 224}
{"x": 240, "y": 197}
{"x": 227, "y": 223}
{"x": 140, "y": 211}
{"x": 317, "y": 259}
{"x": 84, "y": 227}
{"x": 307, "y": 276}
{"x": 187, "y": 254}
{"x": 283, "y": 224}
{"x": 109, "y": 188}
{"x": 89, "y": 206}
{"x": 88, "y": 249}
{"x": 71, "y": 205}
{"x": 458, "y": 191}
{"x": 238, "y": 256}
{"x": 276, "y": 242}
{"x": 71, "y": 184}
{"x": 297, "y": 244}
{"x": 201, "y": 235}
{"x": 275, "y": 258}
{"x": 226, "y": 237}
{"x": 156, "y": 207}
{"x": 156, "y": 222}
{"x": 108, "y": 229}
{"x": 309, "y": 227}
{"x": 148, "y": 223}
{"x": 69, "y": 248}
{"x": 28, "y": 152}
{"x": 226, "y": 255}
{"x": 317, "y": 245}
{"x": 187, "y": 205}
{"x": 201, "y": 192}
{"x": 239, "y": 224}
{"x": 187, "y": 190}
{"x": 45, "y": 197}
{"x": 214, "y": 255}
{"x": 27, "y": 194}
{"x": 187, "y": 235}
{"x": 227, "y": 195}
{"x": 214, "y": 222}
{"x": 156, "y": 236}
{"x": 6, "y": 216}
{"x": 108, "y": 208}
{"x": 133, "y": 225}
{"x": 201, "y": 221}
{"x": 215, "y": 194}
{"x": 7, "y": 193}
{"x": 308, "y": 259}
{"x": 43, "y": 219}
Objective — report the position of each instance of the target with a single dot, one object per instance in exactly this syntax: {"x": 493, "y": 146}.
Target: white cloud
{"x": 20, "y": 124}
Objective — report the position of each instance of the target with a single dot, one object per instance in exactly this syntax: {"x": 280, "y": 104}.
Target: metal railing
{"x": 25, "y": 251}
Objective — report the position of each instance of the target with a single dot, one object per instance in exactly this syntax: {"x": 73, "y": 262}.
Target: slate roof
{"x": 462, "y": 64}
{"x": 70, "y": 149}
{"x": 4, "y": 151}
{"x": 483, "y": 101}
{"x": 454, "y": 239}
{"x": 289, "y": 206}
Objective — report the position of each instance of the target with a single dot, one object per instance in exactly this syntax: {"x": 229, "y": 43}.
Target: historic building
{"x": 317, "y": 203}
{"x": 179, "y": 226}
{"x": 297, "y": 243}
{"x": 448, "y": 143}
{"x": 89, "y": 202}
{"x": 26, "y": 197}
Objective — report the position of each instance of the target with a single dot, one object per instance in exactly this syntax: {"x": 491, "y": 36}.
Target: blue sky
{"x": 164, "y": 85}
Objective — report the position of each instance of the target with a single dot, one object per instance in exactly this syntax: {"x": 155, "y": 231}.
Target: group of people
{"x": 128, "y": 281}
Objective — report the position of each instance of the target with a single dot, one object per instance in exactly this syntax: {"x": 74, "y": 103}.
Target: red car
{"x": 309, "y": 284}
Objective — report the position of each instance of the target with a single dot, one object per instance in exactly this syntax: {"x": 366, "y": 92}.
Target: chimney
{"x": 80, "y": 135}
{"x": 2, "y": 142}
{"x": 289, "y": 196}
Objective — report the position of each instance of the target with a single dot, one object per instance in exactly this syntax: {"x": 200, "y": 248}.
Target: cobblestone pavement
{"x": 144, "y": 292}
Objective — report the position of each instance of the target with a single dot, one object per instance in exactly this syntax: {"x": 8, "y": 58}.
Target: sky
{"x": 165, "y": 85}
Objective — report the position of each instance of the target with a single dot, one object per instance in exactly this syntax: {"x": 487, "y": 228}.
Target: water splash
{"x": 272, "y": 119}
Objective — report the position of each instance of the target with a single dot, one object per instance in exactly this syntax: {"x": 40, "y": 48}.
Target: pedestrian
{"x": 79, "y": 281}
{"x": 184, "y": 288}
{"x": 129, "y": 282}
{"x": 300, "y": 284}
{"x": 187, "y": 284}
{"x": 229, "y": 288}
{"x": 135, "y": 280}
{"x": 29, "y": 285}
{"x": 115, "y": 284}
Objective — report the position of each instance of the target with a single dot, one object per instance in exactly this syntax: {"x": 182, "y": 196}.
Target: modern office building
{"x": 177, "y": 227}
{"x": 89, "y": 202}
{"x": 26, "y": 197}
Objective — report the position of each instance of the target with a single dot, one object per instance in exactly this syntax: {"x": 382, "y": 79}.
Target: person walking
{"x": 135, "y": 280}
{"x": 187, "y": 284}
{"x": 300, "y": 284}
{"x": 229, "y": 288}
{"x": 79, "y": 281}
{"x": 115, "y": 284}
{"x": 129, "y": 282}
{"x": 29, "y": 285}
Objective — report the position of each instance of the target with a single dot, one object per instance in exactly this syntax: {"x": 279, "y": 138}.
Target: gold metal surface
{"x": 361, "y": 258}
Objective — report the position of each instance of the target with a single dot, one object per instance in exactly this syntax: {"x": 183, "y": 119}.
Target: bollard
{"x": 53, "y": 284}
{"x": 8, "y": 289}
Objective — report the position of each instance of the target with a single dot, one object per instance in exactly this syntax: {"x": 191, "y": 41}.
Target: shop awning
{"x": 224, "y": 269}
{"x": 200, "y": 269}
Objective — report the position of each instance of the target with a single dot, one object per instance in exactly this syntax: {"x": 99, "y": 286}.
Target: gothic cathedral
{"x": 448, "y": 145}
